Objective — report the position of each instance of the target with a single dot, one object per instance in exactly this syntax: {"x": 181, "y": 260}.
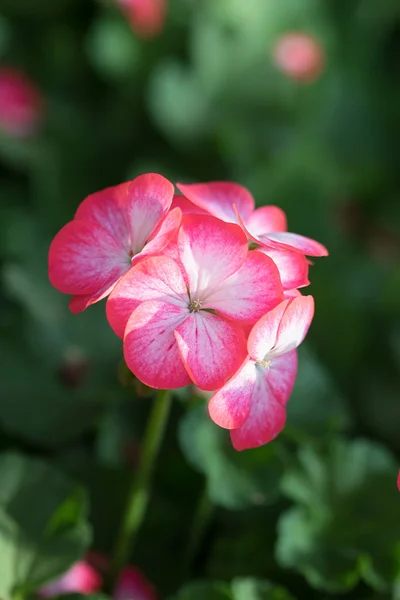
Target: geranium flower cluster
{"x": 203, "y": 288}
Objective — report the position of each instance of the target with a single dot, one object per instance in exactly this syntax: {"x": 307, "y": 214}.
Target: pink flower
{"x": 20, "y": 103}
{"x": 299, "y": 56}
{"x": 252, "y": 403}
{"x": 111, "y": 231}
{"x": 147, "y": 17}
{"x": 183, "y": 322}
{"x": 132, "y": 585}
{"x": 81, "y": 579}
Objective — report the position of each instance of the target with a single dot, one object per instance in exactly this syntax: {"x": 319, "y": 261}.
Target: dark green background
{"x": 318, "y": 511}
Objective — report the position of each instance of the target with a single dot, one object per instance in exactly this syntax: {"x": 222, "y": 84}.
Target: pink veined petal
{"x": 150, "y": 349}
{"x": 80, "y": 302}
{"x": 281, "y": 376}
{"x": 133, "y": 585}
{"x": 211, "y": 348}
{"x": 293, "y": 241}
{"x": 282, "y": 329}
{"x": 167, "y": 231}
{"x": 230, "y": 405}
{"x": 187, "y": 207}
{"x": 218, "y": 198}
{"x": 210, "y": 251}
{"x": 293, "y": 267}
{"x": 84, "y": 257}
{"x": 156, "y": 278}
{"x": 289, "y": 294}
{"x": 266, "y": 419}
{"x": 249, "y": 293}
{"x": 81, "y": 579}
{"x": 266, "y": 220}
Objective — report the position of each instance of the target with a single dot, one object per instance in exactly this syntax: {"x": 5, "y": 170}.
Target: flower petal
{"x": 210, "y": 251}
{"x": 266, "y": 220}
{"x": 249, "y": 293}
{"x": 187, "y": 207}
{"x": 266, "y": 419}
{"x": 156, "y": 278}
{"x": 167, "y": 231}
{"x": 150, "y": 349}
{"x": 282, "y": 329}
{"x": 281, "y": 375}
{"x": 80, "y": 302}
{"x": 230, "y": 405}
{"x": 218, "y": 198}
{"x": 293, "y": 267}
{"x": 84, "y": 257}
{"x": 211, "y": 348}
{"x": 81, "y": 578}
{"x": 133, "y": 585}
{"x": 293, "y": 241}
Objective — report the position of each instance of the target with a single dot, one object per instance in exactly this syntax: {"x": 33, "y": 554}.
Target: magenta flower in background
{"x": 252, "y": 403}
{"x": 186, "y": 325}
{"x": 112, "y": 230}
{"x": 21, "y": 103}
{"x": 81, "y": 578}
{"x": 147, "y": 17}
{"x": 133, "y": 585}
{"x": 299, "y": 56}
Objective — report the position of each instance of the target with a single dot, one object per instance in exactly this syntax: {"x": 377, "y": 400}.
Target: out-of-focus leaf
{"x": 346, "y": 524}
{"x": 203, "y": 590}
{"x": 257, "y": 589}
{"x": 234, "y": 480}
{"x": 43, "y": 524}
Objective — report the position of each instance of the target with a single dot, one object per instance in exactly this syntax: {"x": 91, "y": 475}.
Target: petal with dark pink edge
{"x": 84, "y": 257}
{"x": 292, "y": 266}
{"x": 263, "y": 336}
{"x": 167, "y": 231}
{"x": 156, "y": 278}
{"x": 218, "y": 198}
{"x": 132, "y": 584}
{"x": 293, "y": 241}
{"x": 281, "y": 375}
{"x": 211, "y": 348}
{"x": 289, "y": 294}
{"x": 266, "y": 219}
{"x": 150, "y": 348}
{"x": 80, "y": 302}
{"x": 294, "y": 325}
{"x": 230, "y": 405}
{"x": 266, "y": 419}
{"x": 187, "y": 207}
{"x": 210, "y": 251}
{"x": 249, "y": 293}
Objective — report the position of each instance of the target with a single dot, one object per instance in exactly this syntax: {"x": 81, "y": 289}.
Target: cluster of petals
{"x": 147, "y": 17}
{"x": 83, "y": 578}
{"x": 299, "y": 56}
{"x": 192, "y": 281}
{"x": 21, "y": 103}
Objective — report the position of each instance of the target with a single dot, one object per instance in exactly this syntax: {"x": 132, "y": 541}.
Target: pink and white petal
{"x": 84, "y": 257}
{"x": 281, "y": 375}
{"x": 293, "y": 241}
{"x": 249, "y": 293}
{"x": 266, "y": 419}
{"x": 81, "y": 578}
{"x": 263, "y": 336}
{"x": 230, "y": 405}
{"x": 150, "y": 348}
{"x": 80, "y": 302}
{"x": 294, "y": 325}
{"x": 210, "y": 251}
{"x": 266, "y": 220}
{"x": 212, "y": 348}
{"x": 289, "y": 294}
{"x": 156, "y": 278}
{"x": 167, "y": 231}
{"x": 133, "y": 585}
{"x": 293, "y": 267}
{"x": 148, "y": 199}
{"x": 187, "y": 207}
{"x": 218, "y": 198}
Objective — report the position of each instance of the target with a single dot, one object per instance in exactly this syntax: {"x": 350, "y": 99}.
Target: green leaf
{"x": 234, "y": 480}
{"x": 43, "y": 524}
{"x": 257, "y": 589}
{"x": 346, "y": 524}
{"x": 203, "y": 590}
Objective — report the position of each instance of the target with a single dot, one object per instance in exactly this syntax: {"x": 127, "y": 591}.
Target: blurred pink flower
{"x": 132, "y": 585}
{"x": 299, "y": 56}
{"x": 147, "y": 17}
{"x": 20, "y": 103}
{"x": 81, "y": 579}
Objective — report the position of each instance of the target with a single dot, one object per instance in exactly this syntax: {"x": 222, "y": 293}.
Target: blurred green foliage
{"x": 316, "y": 512}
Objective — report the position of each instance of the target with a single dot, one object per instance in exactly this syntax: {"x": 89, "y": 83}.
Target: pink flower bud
{"x": 299, "y": 56}
{"x": 146, "y": 17}
{"x": 20, "y": 103}
{"x": 81, "y": 579}
{"x": 131, "y": 584}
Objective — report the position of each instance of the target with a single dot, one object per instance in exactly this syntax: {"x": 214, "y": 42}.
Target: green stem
{"x": 202, "y": 518}
{"x": 139, "y": 494}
